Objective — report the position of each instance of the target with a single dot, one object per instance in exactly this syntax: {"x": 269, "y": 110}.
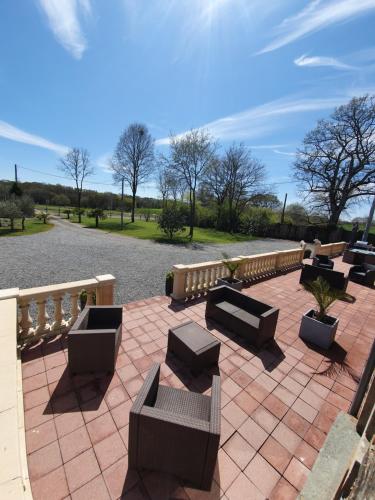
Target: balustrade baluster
{"x": 58, "y": 322}
{"x": 42, "y": 318}
{"x": 74, "y": 309}
{"x": 25, "y": 320}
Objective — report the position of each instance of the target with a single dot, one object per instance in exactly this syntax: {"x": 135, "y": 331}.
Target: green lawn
{"x": 52, "y": 209}
{"x": 32, "y": 226}
{"x": 150, "y": 231}
{"x": 349, "y": 227}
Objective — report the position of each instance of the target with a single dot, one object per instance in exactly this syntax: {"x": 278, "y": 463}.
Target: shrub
{"x": 256, "y": 221}
{"x": 172, "y": 221}
{"x": 97, "y": 213}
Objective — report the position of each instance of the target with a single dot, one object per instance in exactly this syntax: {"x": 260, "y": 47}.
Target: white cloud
{"x": 103, "y": 162}
{"x": 322, "y": 61}
{"x": 63, "y": 19}
{"x": 316, "y": 16}
{"x": 285, "y": 153}
{"x": 260, "y": 120}
{"x": 12, "y": 133}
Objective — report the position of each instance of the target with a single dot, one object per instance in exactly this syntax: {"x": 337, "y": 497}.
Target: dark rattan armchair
{"x": 363, "y": 274}
{"x": 175, "y": 431}
{"x": 323, "y": 261}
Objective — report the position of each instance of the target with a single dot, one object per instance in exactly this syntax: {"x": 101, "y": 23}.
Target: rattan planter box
{"x": 94, "y": 340}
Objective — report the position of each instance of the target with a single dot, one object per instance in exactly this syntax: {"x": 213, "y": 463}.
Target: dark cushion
{"x": 186, "y": 403}
{"x": 248, "y": 318}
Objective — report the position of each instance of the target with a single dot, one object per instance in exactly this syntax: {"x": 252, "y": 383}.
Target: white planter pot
{"x": 316, "y": 332}
{"x": 235, "y": 283}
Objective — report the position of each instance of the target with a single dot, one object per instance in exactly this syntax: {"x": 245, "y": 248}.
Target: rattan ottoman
{"x": 193, "y": 345}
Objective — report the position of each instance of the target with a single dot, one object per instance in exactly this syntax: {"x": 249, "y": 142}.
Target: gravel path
{"x": 69, "y": 252}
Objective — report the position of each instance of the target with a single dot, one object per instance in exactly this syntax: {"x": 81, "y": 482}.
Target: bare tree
{"x": 133, "y": 158}
{"x": 245, "y": 175}
{"x": 191, "y": 155}
{"x": 336, "y": 166}
{"x": 216, "y": 184}
{"x": 76, "y": 164}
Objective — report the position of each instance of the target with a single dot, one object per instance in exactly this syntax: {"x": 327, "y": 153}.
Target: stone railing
{"x": 14, "y": 478}
{"x": 195, "y": 279}
{"x": 41, "y": 312}
{"x": 330, "y": 249}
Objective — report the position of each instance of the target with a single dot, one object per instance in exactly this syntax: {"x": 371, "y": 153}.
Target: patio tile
{"x": 45, "y": 460}
{"x": 118, "y": 479}
{"x": 234, "y": 414}
{"x": 311, "y": 398}
{"x": 262, "y": 474}
{"x": 93, "y": 490}
{"x": 35, "y": 398}
{"x": 257, "y": 391}
{"x": 33, "y": 368}
{"x": 275, "y": 406}
{"x": 241, "y": 378}
{"x": 109, "y": 450}
{"x": 52, "y": 486}
{"x": 253, "y": 433}
{"x": 306, "y": 454}
{"x": 132, "y": 386}
{"x": 315, "y": 437}
{"x": 284, "y": 395}
{"x": 296, "y": 473}
{"x": 265, "y": 419}
{"x": 283, "y": 491}
{"x": 226, "y": 470}
{"x": 74, "y": 443}
{"x": 120, "y": 414}
{"x": 81, "y": 470}
{"x": 116, "y": 396}
{"x": 306, "y": 411}
{"x": 239, "y": 450}
{"x": 37, "y": 415}
{"x": 64, "y": 403}
{"x": 101, "y": 427}
{"x": 247, "y": 403}
{"x": 278, "y": 456}
{"x": 35, "y": 382}
{"x": 243, "y": 488}
{"x": 93, "y": 409}
{"x": 40, "y": 436}
{"x": 68, "y": 422}
{"x": 296, "y": 423}
{"x": 230, "y": 387}
{"x": 286, "y": 437}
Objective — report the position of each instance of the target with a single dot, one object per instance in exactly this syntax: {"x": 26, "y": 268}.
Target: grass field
{"x": 349, "y": 227}
{"x": 32, "y": 226}
{"x": 150, "y": 231}
{"x": 52, "y": 209}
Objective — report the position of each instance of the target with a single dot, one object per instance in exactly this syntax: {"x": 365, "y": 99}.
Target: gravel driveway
{"x": 69, "y": 252}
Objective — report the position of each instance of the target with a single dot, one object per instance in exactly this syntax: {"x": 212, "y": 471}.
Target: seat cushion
{"x": 226, "y": 306}
{"x": 247, "y": 318}
{"x": 183, "y": 402}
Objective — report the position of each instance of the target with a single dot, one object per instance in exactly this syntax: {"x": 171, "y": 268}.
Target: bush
{"x": 172, "y": 221}
{"x": 97, "y": 213}
{"x": 256, "y": 221}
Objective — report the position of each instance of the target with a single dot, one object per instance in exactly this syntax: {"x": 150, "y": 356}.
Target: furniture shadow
{"x": 199, "y": 382}
{"x": 43, "y": 347}
{"x": 78, "y": 393}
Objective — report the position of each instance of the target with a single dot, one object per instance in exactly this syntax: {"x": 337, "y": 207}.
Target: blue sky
{"x": 77, "y": 72}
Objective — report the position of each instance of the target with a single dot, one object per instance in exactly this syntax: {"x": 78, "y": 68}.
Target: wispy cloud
{"x": 103, "y": 161}
{"x": 63, "y": 19}
{"x": 322, "y": 61}
{"x": 284, "y": 153}
{"x": 12, "y": 133}
{"x": 260, "y": 120}
{"x": 314, "y": 17}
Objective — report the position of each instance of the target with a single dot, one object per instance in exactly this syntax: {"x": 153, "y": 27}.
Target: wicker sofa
{"x": 323, "y": 261}
{"x": 175, "y": 431}
{"x": 247, "y": 317}
{"x": 336, "y": 279}
{"x": 363, "y": 274}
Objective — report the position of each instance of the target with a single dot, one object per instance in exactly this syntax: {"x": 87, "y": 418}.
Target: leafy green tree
{"x": 172, "y": 221}
{"x": 297, "y": 213}
{"x": 97, "y": 213}
{"x": 60, "y": 200}
{"x": 10, "y": 210}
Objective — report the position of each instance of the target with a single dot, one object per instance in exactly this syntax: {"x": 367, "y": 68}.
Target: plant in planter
{"x": 317, "y": 327}
{"x": 232, "y": 267}
{"x": 169, "y": 283}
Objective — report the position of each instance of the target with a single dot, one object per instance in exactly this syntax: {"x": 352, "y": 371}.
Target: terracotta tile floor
{"x": 277, "y": 404}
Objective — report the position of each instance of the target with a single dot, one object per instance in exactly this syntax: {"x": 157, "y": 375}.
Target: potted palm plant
{"x": 232, "y": 266}
{"x": 317, "y": 327}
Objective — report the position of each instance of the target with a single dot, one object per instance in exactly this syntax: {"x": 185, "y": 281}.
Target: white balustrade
{"x": 330, "y": 249}
{"x": 37, "y": 304}
{"x": 194, "y": 279}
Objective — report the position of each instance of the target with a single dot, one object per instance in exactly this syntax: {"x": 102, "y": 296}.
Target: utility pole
{"x": 15, "y": 174}
{"x": 283, "y": 212}
{"x": 369, "y": 221}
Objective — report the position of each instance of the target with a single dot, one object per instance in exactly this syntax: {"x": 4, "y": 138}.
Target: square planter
{"x": 234, "y": 283}
{"x": 94, "y": 340}
{"x": 316, "y": 332}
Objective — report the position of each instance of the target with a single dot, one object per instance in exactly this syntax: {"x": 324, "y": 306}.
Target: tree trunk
{"x": 96, "y": 221}
{"x": 334, "y": 217}
{"x": 133, "y": 206}
{"x": 79, "y": 207}
{"x": 23, "y": 223}
{"x": 12, "y": 224}
{"x": 122, "y": 204}
{"x": 192, "y": 215}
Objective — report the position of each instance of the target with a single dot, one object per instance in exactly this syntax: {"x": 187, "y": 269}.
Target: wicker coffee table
{"x": 194, "y": 345}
